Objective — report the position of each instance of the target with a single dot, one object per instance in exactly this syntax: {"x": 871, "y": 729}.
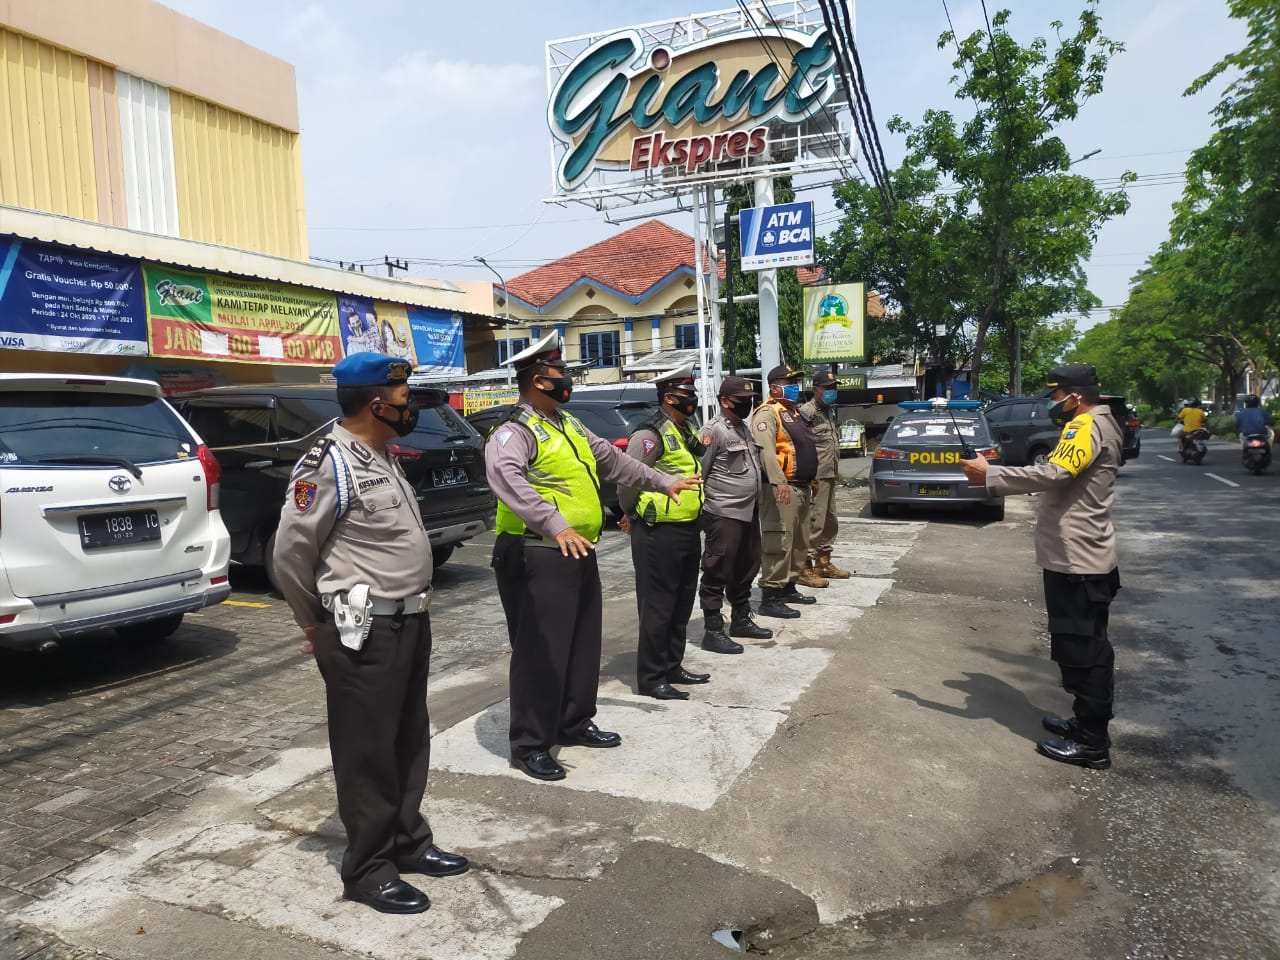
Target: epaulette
{"x": 315, "y": 456}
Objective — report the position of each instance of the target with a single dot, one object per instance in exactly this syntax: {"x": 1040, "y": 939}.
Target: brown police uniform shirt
{"x": 822, "y": 421}
{"x": 730, "y": 470}
{"x": 1074, "y": 533}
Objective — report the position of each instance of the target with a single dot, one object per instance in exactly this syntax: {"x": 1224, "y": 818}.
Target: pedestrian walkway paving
{"x": 260, "y": 850}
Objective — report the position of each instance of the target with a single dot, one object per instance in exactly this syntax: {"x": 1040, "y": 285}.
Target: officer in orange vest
{"x": 789, "y": 457}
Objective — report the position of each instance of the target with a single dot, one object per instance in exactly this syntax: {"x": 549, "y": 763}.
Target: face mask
{"x": 829, "y": 397}
{"x": 1059, "y": 415}
{"x": 791, "y": 392}
{"x": 406, "y": 420}
{"x": 684, "y": 405}
{"x": 560, "y": 390}
{"x": 742, "y": 408}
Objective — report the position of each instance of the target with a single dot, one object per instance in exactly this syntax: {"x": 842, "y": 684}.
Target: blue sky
{"x": 424, "y": 133}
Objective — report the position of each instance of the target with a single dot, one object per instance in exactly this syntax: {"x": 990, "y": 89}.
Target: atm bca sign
{"x": 779, "y": 236}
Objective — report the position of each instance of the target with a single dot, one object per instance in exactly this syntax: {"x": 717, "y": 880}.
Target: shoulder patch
{"x": 315, "y": 456}
{"x": 503, "y": 436}
{"x": 362, "y": 452}
{"x": 304, "y": 495}
{"x": 706, "y": 439}
{"x": 647, "y": 445}
{"x": 763, "y": 426}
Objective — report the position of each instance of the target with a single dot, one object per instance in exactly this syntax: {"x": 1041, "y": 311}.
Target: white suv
{"x": 108, "y": 511}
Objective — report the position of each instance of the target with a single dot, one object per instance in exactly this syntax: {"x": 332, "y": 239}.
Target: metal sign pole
{"x": 715, "y": 348}
{"x": 770, "y": 349}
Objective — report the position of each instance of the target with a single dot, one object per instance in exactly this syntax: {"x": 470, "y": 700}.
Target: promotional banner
{"x": 429, "y": 339}
{"x": 473, "y": 400}
{"x": 437, "y": 340}
{"x": 778, "y": 236}
{"x": 67, "y": 300}
{"x": 212, "y": 317}
{"x": 834, "y": 316}
{"x": 358, "y": 320}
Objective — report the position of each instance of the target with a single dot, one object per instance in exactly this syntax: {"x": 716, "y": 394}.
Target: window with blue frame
{"x": 517, "y": 344}
{"x": 687, "y": 336}
{"x": 599, "y": 349}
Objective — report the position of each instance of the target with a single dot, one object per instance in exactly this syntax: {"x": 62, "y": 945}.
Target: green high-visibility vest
{"x": 563, "y": 472}
{"x": 677, "y": 460}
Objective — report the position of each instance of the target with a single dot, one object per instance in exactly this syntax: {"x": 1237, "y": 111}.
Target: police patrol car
{"x": 918, "y": 461}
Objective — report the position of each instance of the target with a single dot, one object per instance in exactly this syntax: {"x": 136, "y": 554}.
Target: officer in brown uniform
{"x": 666, "y": 545}
{"x": 820, "y": 412}
{"x": 1076, "y": 547}
{"x": 790, "y": 461}
{"x": 354, "y": 565}
{"x": 545, "y": 467}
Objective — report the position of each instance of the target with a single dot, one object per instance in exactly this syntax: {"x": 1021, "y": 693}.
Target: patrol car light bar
{"x": 941, "y": 403}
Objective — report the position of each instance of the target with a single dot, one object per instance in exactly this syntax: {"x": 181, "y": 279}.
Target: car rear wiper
{"x": 457, "y": 436}
{"x": 116, "y": 461}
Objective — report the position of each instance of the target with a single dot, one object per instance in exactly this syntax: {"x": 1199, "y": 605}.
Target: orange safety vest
{"x": 794, "y": 448}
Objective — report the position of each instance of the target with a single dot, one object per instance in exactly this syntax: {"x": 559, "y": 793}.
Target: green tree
{"x": 991, "y": 229}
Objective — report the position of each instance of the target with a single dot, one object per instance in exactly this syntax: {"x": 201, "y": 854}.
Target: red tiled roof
{"x": 633, "y": 262}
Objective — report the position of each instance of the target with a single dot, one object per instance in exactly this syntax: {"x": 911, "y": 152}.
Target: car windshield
{"x": 38, "y": 426}
{"x": 936, "y": 430}
{"x": 441, "y": 420}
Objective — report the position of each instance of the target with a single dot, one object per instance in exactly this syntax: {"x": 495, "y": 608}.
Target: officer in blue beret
{"x": 354, "y": 564}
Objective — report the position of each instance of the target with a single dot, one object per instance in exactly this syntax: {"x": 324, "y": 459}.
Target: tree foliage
{"x": 990, "y": 229}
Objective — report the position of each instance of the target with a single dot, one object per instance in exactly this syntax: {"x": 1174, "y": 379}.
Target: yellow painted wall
{"x": 47, "y": 157}
{"x": 239, "y": 179}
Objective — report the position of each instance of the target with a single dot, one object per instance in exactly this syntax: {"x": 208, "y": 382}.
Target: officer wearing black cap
{"x": 731, "y": 520}
{"x": 545, "y": 467}
{"x": 354, "y": 565}
{"x": 666, "y": 546}
{"x": 790, "y": 460}
{"x": 1076, "y": 547}
{"x": 820, "y": 414}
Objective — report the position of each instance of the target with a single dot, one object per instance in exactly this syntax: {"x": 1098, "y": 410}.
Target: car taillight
{"x": 989, "y": 452}
{"x": 621, "y": 442}
{"x": 1255, "y": 443}
{"x": 212, "y": 475}
{"x": 888, "y": 453}
{"x": 403, "y": 453}
{"x": 1134, "y": 423}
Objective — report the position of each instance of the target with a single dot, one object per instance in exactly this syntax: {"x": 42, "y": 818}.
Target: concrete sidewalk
{"x": 875, "y": 754}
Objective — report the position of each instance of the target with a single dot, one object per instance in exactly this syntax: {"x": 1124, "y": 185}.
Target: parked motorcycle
{"x": 1256, "y": 452}
{"x": 1194, "y": 446}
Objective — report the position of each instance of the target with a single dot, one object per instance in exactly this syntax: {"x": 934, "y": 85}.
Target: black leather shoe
{"x": 1073, "y": 751}
{"x": 717, "y": 642}
{"x": 792, "y": 595}
{"x": 743, "y": 626}
{"x": 591, "y": 736}
{"x": 394, "y": 896}
{"x": 1067, "y": 729}
{"x": 681, "y": 675}
{"x": 665, "y": 691}
{"x": 540, "y": 766}
{"x": 435, "y": 862}
{"x": 774, "y": 607}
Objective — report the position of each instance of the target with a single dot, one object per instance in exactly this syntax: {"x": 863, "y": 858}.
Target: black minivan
{"x": 258, "y": 433}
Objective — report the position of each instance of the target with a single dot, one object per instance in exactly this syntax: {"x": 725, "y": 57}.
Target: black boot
{"x": 714, "y": 640}
{"x": 743, "y": 626}
{"x": 791, "y": 595}
{"x": 771, "y": 605}
{"x": 1084, "y": 749}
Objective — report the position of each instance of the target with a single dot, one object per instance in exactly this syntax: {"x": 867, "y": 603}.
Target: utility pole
{"x": 770, "y": 346}
{"x": 506, "y": 309}
{"x": 394, "y": 265}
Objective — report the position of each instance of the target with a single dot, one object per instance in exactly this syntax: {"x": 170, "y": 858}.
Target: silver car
{"x": 918, "y": 461}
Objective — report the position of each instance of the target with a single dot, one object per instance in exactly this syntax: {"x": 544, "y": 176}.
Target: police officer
{"x": 354, "y": 564}
{"x": 666, "y": 546}
{"x": 820, "y": 413}
{"x": 545, "y": 467}
{"x": 731, "y": 520}
{"x": 1076, "y": 547}
{"x": 790, "y": 462}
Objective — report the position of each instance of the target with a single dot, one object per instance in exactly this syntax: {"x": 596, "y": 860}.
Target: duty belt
{"x": 386, "y": 607}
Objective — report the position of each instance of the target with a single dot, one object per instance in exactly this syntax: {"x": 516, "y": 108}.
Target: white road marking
{"x": 1163, "y": 457}
{"x": 1229, "y": 483}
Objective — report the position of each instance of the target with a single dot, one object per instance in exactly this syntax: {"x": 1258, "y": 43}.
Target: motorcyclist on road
{"x": 1190, "y": 419}
{"x": 1254, "y": 420}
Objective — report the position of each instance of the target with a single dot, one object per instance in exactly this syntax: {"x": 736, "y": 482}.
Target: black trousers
{"x": 1079, "y": 607}
{"x": 730, "y": 561}
{"x": 553, "y": 608}
{"x": 380, "y": 741}
{"x": 666, "y": 557}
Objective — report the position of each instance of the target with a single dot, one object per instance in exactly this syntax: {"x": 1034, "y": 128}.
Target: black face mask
{"x": 1059, "y": 415}
{"x": 406, "y": 421}
{"x": 561, "y": 388}
{"x": 684, "y": 405}
{"x": 742, "y": 408}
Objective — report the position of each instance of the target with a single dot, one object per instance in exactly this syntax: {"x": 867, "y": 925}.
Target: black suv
{"x": 610, "y": 414}
{"x": 1026, "y": 434}
{"x": 258, "y": 433}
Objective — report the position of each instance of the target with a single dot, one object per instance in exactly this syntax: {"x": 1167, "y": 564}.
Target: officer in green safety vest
{"x": 545, "y": 467}
{"x": 666, "y": 547}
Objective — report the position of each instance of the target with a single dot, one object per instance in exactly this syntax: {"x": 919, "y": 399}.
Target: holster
{"x": 352, "y": 615}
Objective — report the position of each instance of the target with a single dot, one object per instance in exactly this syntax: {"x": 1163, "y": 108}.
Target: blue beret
{"x": 369, "y": 369}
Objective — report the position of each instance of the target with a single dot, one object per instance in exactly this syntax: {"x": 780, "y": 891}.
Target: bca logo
{"x": 768, "y": 239}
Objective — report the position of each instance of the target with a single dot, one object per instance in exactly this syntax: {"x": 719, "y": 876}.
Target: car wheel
{"x": 879, "y": 509}
{"x": 1039, "y": 456}
{"x": 991, "y": 511}
{"x": 440, "y": 555}
{"x": 153, "y": 631}
{"x": 269, "y": 564}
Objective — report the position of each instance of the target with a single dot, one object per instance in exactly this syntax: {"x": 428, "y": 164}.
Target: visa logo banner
{"x": 777, "y": 236}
